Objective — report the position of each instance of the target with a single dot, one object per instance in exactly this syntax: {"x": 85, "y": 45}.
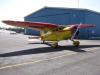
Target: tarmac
{"x": 20, "y": 55}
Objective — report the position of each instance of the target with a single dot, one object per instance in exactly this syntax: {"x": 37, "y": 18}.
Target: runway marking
{"x": 37, "y": 61}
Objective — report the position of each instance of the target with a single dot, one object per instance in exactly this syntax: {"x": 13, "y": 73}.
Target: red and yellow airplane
{"x": 52, "y": 32}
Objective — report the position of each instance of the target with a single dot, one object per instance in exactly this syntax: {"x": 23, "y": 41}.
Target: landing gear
{"x": 76, "y": 43}
{"x": 43, "y": 41}
{"x": 54, "y": 45}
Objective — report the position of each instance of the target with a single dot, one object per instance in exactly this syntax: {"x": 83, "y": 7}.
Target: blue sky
{"x": 17, "y": 9}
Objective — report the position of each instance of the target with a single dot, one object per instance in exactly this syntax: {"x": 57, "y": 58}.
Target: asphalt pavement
{"x": 20, "y": 55}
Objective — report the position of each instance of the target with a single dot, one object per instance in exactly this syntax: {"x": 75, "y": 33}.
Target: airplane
{"x": 52, "y": 33}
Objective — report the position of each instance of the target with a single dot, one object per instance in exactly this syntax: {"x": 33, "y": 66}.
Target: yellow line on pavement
{"x": 33, "y": 62}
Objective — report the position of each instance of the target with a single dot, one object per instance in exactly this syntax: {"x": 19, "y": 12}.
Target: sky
{"x": 18, "y": 9}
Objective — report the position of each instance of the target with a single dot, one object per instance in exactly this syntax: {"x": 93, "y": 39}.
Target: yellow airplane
{"x": 52, "y": 33}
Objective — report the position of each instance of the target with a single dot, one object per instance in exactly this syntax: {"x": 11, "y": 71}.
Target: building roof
{"x": 57, "y": 10}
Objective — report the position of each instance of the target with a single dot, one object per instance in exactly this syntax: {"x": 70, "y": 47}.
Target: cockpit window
{"x": 59, "y": 28}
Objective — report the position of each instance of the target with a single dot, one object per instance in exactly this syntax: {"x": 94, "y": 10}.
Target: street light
{"x": 78, "y": 3}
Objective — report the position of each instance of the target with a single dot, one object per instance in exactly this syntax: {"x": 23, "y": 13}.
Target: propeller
{"x": 76, "y": 31}
{"x": 76, "y": 28}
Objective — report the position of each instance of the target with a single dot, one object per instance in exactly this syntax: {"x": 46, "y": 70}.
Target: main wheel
{"x": 54, "y": 45}
{"x": 76, "y": 43}
{"x": 43, "y": 41}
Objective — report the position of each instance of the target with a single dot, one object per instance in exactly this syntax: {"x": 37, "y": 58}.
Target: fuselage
{"x": 57, "y": 34}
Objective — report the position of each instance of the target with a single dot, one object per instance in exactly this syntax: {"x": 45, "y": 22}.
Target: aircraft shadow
{"x": 81, "y": 48}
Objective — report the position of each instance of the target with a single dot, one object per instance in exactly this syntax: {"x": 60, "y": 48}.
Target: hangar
{"x": 67, "y": 16}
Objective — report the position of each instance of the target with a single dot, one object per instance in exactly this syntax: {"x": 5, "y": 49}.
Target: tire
{"x": 76, "y": 43}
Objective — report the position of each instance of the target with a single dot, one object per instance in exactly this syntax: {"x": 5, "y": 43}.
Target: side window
{"x": 45, "y": 31}
{"x": 59, "y": 28}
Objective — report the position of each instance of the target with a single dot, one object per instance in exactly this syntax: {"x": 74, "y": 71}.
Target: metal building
{"x": 67, "y": 16}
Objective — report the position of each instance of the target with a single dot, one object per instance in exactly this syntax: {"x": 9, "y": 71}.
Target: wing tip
{"x": 5, "y": 21}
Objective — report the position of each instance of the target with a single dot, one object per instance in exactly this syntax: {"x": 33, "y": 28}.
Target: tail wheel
{"x": 76, "y": 43}
{"x": 54, "y": 45}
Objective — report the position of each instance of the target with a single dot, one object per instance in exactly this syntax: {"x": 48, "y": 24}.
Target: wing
{"x": 34, "y": 25}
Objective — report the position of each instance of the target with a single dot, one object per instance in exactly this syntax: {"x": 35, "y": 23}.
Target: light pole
{"x": 78, "y": 3}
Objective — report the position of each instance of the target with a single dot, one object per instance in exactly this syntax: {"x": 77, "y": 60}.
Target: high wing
{"x": 34, "y": 25}
{"x": 42, "y": 26}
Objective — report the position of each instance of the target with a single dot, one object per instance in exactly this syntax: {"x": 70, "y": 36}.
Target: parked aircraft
{"x": 52, "y": 33}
